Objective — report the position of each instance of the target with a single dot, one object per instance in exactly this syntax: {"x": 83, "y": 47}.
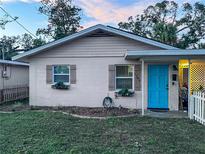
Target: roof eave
{"x": 166, "y": 53}
{"x": 13, "y": 63}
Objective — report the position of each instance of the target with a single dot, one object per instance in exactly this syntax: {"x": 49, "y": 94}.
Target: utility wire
{"x": 18, "y": 22}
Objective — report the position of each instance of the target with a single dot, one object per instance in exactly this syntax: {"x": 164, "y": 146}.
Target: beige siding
{"x": 19, "y": 76}
{"x": 96, "y": 46}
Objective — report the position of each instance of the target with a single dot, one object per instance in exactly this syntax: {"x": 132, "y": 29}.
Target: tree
{"x": 63, "y": 18}
{"x": 27, "y": 42}
{"x": 164, "y": 23}
{"x": 5, "y": 18}
{"x": 8, "y": 46}
{"x": 38, "y": 42}
{"x": 202, "y": 46}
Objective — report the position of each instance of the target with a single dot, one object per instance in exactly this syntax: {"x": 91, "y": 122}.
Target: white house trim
{"x": 156, "y": 53}
{"x": 88, "y": 31}
{"x": 13, "y": 63}
{"x": 53, "y": 74}
{"x": 143, "y": 85}
{"x": 84, "y": 56}
{"x": 189, "y": 87}
{"x": 132, "y": 77}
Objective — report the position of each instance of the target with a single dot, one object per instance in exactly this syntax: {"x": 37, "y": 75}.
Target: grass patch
{"x": 19, "y": 105}
{"x": 48, "y": 132}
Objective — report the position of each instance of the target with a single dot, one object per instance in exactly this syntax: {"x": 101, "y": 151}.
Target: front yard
{"x": 49, "y": 132}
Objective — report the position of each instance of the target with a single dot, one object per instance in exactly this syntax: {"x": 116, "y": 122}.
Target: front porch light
{"x": 184, "y": 64}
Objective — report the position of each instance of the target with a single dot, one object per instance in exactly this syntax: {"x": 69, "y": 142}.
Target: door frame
{"x": 168, "y": 92}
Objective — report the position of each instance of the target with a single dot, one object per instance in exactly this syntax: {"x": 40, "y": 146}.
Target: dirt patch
{"x": 92, "y": 112}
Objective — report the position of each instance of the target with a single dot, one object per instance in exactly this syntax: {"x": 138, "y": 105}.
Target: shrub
{"x": 126, "y": 92}
{"x": 60, "y": 85}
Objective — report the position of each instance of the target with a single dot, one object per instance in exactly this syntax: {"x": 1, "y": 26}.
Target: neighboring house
{"x": 13, "y": 74}
{"x": 101, "y": 60}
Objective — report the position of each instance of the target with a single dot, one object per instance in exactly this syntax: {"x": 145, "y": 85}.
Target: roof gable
{"x": 89, "y": 31}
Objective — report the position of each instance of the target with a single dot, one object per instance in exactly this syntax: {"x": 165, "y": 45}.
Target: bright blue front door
{"x": 158, "y": 86}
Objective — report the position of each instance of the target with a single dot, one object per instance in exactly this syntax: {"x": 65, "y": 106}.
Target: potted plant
{"x": 60, "y": 85}
{"x": 126, "y": 92}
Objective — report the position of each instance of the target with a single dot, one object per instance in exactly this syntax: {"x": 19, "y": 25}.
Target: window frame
{"x": 53, "y": 74}
{"x": 132, "y": 77}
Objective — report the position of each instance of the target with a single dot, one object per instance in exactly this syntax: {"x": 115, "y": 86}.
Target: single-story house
{"x": 101, "y": 60}
{"x": 13, "y": 74}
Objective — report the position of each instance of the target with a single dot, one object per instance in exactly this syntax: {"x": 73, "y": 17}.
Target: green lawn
{"x": 47, "y": 132}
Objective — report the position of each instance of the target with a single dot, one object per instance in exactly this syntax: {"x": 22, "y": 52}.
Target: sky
{"x": 107, "y": 12}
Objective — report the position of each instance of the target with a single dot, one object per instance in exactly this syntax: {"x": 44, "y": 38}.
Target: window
{"x": 61, "y": 73}
{"x": 124, "y": 77}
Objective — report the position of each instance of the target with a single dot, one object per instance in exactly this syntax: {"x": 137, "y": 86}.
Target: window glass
{"x": 124, "y": 71}
{"x": 61, "y": 78}
{"x": 61, "y": 73}
{"x": 124, "y": 77}
{"x": 124, "y": 83}
{"x": 61, "y": 69}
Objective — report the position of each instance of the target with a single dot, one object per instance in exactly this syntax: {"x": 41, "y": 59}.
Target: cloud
{"x": 25, "y": 1}
{"x": 106, "y": 12}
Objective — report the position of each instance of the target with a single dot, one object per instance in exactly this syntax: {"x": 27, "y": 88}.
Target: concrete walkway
{"x": 167, "y": 114}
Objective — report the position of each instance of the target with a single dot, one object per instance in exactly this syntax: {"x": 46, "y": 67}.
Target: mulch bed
{"x": 102, "y": 112}
{"x": 17, "y": 106}
{"x": 92, "y": 112}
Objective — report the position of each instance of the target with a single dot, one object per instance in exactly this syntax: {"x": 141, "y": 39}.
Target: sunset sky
{"x": 108, "y": 12}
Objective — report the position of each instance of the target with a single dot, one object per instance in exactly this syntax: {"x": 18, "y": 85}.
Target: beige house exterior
{"x": 13, "y": 74}
{"x": 93, "y": 57}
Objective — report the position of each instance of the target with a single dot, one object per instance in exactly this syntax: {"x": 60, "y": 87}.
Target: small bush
{"x": 125, "y": 93}
{"x": 60, "y": 85}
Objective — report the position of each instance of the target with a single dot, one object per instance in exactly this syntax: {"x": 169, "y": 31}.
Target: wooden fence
{"x": 14, "y": 93}
{"x": 197, "y": 107}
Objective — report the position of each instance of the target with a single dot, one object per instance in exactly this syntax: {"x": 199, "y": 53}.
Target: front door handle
{"x": 167, "y": 87}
